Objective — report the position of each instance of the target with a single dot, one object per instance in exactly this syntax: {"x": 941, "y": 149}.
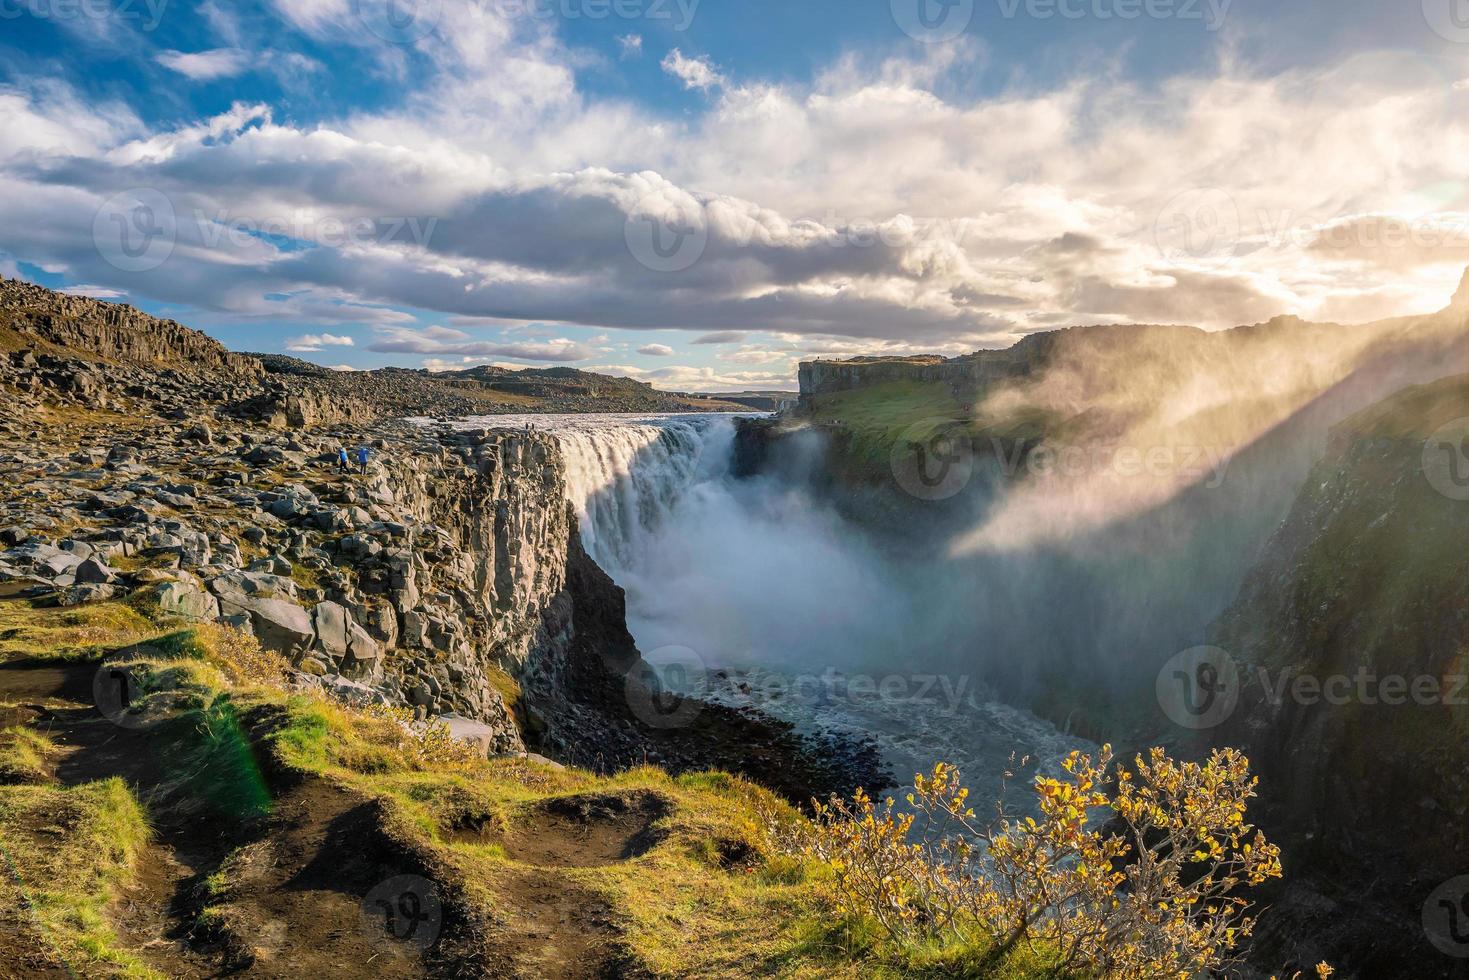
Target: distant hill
{"x": 79, "y": 327}
{"x": 115, "y": 337}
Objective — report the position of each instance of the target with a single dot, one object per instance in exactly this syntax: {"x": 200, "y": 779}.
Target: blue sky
{"x": 441, "y": 183}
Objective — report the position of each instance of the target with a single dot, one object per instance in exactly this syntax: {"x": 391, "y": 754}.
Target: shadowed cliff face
{"x": 1348, "y": 641}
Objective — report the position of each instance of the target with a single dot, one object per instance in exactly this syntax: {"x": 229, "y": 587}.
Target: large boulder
{"x": 279, "y": 625}
{"x": 94, "y": 572}
{"x": 487, "y": 740}
{"x": 187, "y": 600}
{"x": 332, "y": 629}
{"x": 260, "y": 585}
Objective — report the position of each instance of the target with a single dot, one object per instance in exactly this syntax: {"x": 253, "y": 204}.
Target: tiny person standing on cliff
{"x": 362, "y": 456}
{"x": 342, "y": 458}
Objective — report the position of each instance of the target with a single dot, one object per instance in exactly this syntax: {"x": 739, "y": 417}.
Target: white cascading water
{"x": 756, "y": 579}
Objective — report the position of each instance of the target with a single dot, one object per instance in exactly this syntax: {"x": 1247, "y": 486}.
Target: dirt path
{"x": 294, "y": 903}
{"x": 555, "y": 928}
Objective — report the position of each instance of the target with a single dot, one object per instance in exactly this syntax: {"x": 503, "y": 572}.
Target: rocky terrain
{"x": 447, "y": 577}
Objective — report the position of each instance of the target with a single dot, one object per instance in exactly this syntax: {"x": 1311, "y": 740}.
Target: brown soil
{"x": 554, "y": 927}
{"x": 555, "y": 930}
{"x": 580, "y": 831}
{"x": 294, "y": 905}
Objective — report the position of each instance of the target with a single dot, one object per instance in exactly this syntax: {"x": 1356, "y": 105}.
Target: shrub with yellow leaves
{"x": 1125, "y": 875}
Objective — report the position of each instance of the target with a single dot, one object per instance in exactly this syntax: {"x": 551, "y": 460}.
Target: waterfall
{"x": 781, "y": 602}
{"x": 625, "y": 475}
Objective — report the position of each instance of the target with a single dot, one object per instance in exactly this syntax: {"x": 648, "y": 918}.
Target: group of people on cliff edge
{"x": 363, "y": 456}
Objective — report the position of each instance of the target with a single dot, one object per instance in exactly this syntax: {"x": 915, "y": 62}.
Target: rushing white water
{"x": 776, "y": 600}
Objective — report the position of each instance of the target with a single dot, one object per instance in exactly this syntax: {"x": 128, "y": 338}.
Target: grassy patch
{"x": 877, "y": 417}
{"x": 25, "y": 757}
{"x": 709, "y": 898}
{"x": 68, "y": 854}
{"x": 305, "y": 578}
{"x": 82, "y": 632}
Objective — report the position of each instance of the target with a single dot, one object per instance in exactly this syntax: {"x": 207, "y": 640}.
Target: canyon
{"x": 1032, "y": 534}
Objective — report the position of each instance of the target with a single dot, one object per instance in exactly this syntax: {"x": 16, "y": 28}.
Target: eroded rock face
{"x": 114, "y": 332}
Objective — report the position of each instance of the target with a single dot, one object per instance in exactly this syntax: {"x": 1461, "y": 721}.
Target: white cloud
{"x": 656, "y": 350}
{"x": 944, "y": 239}
{"x": 96, "y": 292}
{"x": 631, "y": 45}
{"x": 440, "y": 341}
{"x": 688, "y": 378}
{"x": 316, "y": 341}
{"x": 695, "y": 73}
{"x": 205, "y": 66}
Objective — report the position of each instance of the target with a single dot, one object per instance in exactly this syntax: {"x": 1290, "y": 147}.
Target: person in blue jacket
{"x": 342, "y": 459}
{"x": 362, "y": 457}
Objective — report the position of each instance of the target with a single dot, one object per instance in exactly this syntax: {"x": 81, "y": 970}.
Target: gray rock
{"x": 61, "y": 563}
{"x": 279, "y": 625}
{"x": 189, "y": 602}
{"x": 262, "y": 585}
{"x": 94, "y": 572}
{"x": 484, "y": 738}
{"x": 313, "y": 666}
{"x": 332, "y": 629}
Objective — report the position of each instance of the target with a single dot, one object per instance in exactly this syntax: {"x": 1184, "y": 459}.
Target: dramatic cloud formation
{"x": 879, "y": 207}
{"x": 440, "y": 341}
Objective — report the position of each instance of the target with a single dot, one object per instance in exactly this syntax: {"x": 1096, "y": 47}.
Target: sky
{"x": 703, "y": 193}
